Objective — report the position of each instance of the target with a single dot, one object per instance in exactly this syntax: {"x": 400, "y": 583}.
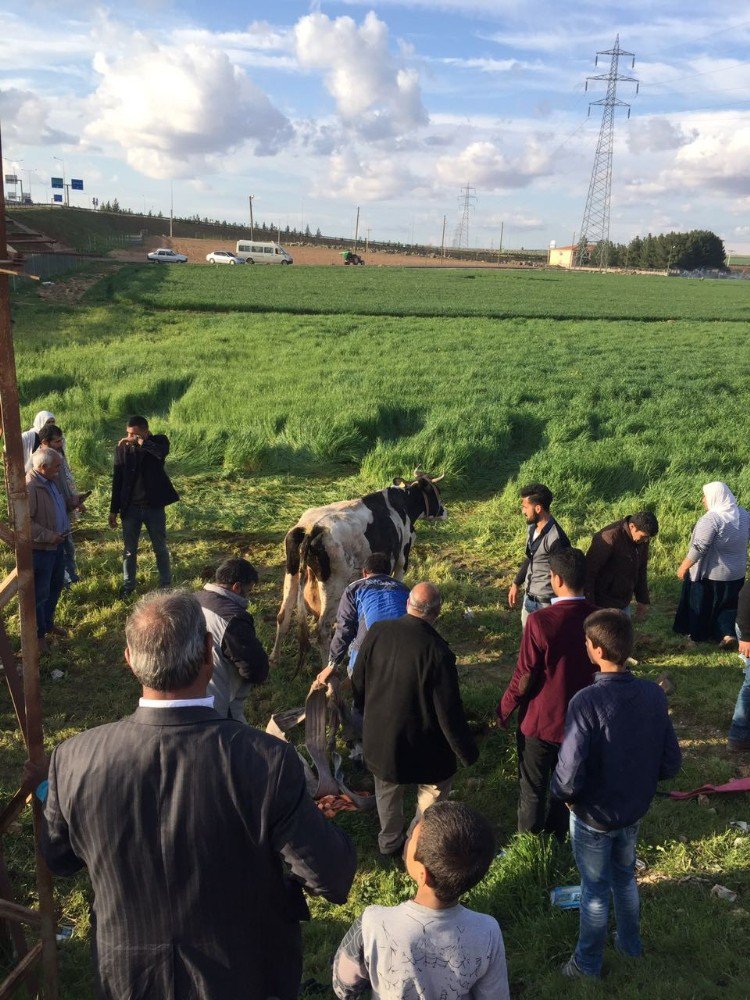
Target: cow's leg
{"x": 292, "y": 544}
{"x": 284, "y": 617}
{"x": 303, "y": 640}
{"x": 325, "y": 624}
{"x": 402, "y": 560}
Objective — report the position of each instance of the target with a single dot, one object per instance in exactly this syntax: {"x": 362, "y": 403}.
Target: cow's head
{"x": 423, "y": 485}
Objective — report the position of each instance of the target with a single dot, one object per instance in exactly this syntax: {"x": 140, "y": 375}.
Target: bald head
{"x": 424, "y": 601}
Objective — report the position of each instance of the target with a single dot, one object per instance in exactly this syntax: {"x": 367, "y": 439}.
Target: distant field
{"x": 548, "y": 294}
{"x": 282, "y": 389}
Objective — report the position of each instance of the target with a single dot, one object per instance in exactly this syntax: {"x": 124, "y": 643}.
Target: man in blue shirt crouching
{"x": 619, "y": 742}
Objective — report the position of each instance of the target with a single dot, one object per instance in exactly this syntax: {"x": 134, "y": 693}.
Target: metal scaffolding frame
{"x": 25, "y": 689}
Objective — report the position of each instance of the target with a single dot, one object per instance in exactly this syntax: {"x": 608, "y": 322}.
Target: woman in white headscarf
{"x": 713, "y": 571}
{"x": 30, "y": 438}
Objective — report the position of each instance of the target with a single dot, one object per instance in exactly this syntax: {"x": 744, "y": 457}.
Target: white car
{"x": 164, "y": 256}
{"x": 223, "y": 257}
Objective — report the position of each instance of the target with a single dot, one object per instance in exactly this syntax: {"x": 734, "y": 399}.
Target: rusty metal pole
{"x": 18, "y": 503}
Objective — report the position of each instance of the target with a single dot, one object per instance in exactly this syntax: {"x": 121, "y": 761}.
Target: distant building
{"x": 563, "y": 256}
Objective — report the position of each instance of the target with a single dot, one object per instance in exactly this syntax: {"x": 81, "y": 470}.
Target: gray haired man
{"x": 50, "y": 526}
{"x": 188, "y": 823}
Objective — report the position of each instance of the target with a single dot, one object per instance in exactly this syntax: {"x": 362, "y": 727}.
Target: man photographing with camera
{"x": 141, "y": 489}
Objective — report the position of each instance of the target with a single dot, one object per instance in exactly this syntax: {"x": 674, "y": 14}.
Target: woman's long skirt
{"x": 707, "y": 609}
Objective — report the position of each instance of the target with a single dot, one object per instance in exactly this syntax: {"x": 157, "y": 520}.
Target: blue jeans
{"x": 606, "y": 862}
{"x": 740, "y": 727}
{"x": 49, "y": 578}
{"x": 529, "y": 605}
{"x": 71, "y": 570}
{"x": 155, "y": 519}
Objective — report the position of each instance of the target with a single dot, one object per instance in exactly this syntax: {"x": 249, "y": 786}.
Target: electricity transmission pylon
{"x": 466, "y": 203}
{"x": 595, "y": 225}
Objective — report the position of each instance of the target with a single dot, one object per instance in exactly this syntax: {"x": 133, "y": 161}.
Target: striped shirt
{"x": 719, "y": 550}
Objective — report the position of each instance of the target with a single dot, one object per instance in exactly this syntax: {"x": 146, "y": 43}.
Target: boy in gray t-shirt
{"x": 430, "y": 946}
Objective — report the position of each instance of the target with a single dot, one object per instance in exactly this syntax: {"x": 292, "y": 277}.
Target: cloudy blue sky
{"x": 316, "y": 108}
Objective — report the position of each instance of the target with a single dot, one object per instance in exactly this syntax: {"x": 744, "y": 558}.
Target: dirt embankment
{"x": 196, "y": 251}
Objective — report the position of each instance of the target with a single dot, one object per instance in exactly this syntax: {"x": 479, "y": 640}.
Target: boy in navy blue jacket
{"x": 619, "y": 742}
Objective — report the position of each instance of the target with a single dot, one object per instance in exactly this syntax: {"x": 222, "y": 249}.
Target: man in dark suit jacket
{"x": 405, "y": 683}
{"x": 141, "y": 489}
{"x": 187, "y": 823}
{"x": 552, "y": 666}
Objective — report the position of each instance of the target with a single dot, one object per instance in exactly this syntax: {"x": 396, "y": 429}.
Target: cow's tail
{"x": 292, "y": 544}
{"x": 313, "y": 554}
{"x": 315, "y": 568}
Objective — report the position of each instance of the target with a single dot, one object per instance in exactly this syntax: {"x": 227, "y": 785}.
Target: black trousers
{"x": 536, "y": 763}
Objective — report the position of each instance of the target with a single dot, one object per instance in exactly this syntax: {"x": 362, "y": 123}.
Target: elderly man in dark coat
{"x": 188, "y": 824}
{"x": 405, "y": 682}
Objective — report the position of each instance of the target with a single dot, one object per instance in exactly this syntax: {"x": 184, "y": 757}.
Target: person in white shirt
{"x": 430, "y": 946}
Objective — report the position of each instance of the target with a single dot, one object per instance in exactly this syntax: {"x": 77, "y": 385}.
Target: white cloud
{"x": 375, "y": 95}
{"x": 23, "y": 45}
{"x": 657, "y": 135}
{"x": 262, "y": 45}
{"x": 519, "y": 221}
{"x": 173, "y": 109}
{"x": 718, "y": 159}
{"x": 484, "y": 165}
{"x": 377, "y": 178}
{"x": 513, "y": 67}
{"x": 25, "y": 119}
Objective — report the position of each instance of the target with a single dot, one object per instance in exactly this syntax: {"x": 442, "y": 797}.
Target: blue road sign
{"x": 57, "y": 197}
{"x": 57, "y": 182}
{"x": 77, "y": 185}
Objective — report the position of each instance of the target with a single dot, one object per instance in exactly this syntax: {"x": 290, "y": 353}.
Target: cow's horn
{"x": 418, "y": 472}
{"x": 436, "y": 479}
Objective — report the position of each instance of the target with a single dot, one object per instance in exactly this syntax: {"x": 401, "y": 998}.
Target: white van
{"x": 262, "y": 253}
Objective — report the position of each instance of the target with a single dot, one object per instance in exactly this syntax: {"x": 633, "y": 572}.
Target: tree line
{"x": 698, "y": 249}
{"x": 261, "y": 227}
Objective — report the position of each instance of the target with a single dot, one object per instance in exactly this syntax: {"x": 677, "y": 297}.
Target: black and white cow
{"x": 327, "y": 547}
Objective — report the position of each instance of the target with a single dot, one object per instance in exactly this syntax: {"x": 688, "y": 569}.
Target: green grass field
{"x": 282, "y": 389}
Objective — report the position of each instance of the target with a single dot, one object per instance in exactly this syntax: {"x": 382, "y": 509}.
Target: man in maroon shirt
{"x": 552, "y": 666}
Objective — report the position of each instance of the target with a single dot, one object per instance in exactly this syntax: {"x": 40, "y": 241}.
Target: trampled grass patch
{"x": 298, "y": 388}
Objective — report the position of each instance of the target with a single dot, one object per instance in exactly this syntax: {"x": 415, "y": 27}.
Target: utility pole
{"x": 356, "y": 230}
{"x": 595, "y": 225}
{"x": 500, "y": 248}
{"x": 65, "y": 184}
{"x": 442, "y": 239}
{"x": 171, "y": 207}
{"x": 252, "y": 225}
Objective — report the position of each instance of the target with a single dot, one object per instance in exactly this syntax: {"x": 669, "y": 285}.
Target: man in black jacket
{"x": 617, "y": 563}
{"x": 239, "y": 659}
{"x": 141, "y": 489}
{"x": 405, "y": 683}
{"x": 197, "y": 832}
